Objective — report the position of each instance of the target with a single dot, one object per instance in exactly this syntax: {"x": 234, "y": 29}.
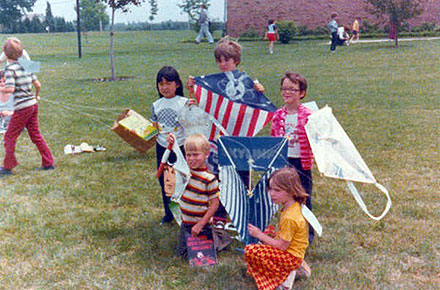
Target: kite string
{"x": 96, "y": 118}
{"x": 109, "y": 109}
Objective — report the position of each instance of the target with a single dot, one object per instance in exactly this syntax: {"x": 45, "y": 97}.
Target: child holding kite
{"x": 200, "y": 200}
{"x": 227, "y": 55}
{"x": 18, "y": 85}
{"x": 289, "y": 121}
{"x": 274, "y": 262}
{"x": 164, "y": 115}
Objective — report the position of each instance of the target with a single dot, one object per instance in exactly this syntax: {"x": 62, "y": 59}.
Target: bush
{"x": 321, "y": 30}
{"x": 367, "y": 27}
{"x": 287, "y": 31}
{"x": 304, "y": 30}
{"x": 251, "y": 33}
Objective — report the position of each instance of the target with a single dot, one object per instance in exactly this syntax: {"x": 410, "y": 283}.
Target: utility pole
{"x": 78, "y": 29}
{"x": 225, "y": 19}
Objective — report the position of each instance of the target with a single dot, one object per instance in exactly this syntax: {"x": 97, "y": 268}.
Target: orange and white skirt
{"x": 269, "y": 266}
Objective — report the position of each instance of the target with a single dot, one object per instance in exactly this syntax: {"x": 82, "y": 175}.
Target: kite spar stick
{"x": 164, "y": 160}
{"x": 227, "y": 153}
{"x": 275, "y": 157}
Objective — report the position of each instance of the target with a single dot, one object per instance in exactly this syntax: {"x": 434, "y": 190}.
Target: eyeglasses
{"x": 290, "y": 90}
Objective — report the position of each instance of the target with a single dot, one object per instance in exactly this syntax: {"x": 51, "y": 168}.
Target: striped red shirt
{"x": 202, "y": 187}
{"x": 278, "y": 130}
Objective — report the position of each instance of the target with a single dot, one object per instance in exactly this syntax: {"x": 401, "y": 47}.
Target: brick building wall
{"x": 245, "y": 14}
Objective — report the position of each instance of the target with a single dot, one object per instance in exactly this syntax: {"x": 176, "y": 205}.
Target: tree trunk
{"x": 112, "y": 57}
{"x": 396, "y": 44}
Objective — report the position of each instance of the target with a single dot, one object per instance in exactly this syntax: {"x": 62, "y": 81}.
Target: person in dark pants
{"x": 333, "y": 26}
{"x": 289, "y": 121}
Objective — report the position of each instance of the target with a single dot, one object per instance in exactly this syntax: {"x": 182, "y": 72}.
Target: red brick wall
{"x": 245, "y": 14}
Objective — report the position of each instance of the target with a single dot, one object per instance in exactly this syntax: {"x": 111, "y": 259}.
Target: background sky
{"x": 168, "y": 10}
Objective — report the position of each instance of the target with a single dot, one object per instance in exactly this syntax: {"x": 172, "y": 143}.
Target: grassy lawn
{"x": 93, "y": 223}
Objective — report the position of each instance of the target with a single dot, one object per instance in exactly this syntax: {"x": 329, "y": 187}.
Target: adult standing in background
{"x": 204, "y": 26}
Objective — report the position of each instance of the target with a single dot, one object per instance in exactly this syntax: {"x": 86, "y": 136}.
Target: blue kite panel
{"x": 262, "y": 151}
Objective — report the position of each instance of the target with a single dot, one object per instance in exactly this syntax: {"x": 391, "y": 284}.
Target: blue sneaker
{"x": 5, "y": 172}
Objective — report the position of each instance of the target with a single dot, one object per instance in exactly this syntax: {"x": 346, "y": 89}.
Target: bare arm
{"x": 212, "y": 208}
{"x": 277, "y": 243}
{"x": 5, "y": 93}
{"x": 190, "y": 83}
{"x": 37, "y": 86}
{"x": 258, "y": 86}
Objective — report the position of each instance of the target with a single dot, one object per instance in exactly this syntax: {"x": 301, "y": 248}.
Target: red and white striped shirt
{"x": 278, "y": 130}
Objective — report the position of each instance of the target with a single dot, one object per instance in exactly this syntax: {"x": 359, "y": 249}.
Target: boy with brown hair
{"x": 18, "y": 83}
{"x": 200, "y": 200}
{"x": 227, "y": 55}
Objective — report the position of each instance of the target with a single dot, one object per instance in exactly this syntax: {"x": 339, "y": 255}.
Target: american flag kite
{"x": 231, "y": 99}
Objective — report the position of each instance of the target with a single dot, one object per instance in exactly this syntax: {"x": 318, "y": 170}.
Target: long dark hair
{"x": 170, "y": 74}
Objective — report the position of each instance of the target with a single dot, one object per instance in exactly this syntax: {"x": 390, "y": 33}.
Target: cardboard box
{"x": 135, "y": 130}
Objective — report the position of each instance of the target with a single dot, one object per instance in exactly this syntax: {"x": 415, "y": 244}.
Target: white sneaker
{"x": 288, "y": 284}
{"x": 304, "y": 271}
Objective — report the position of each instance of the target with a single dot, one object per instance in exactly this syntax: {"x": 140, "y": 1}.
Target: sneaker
{"x": 5, "y": 172}
{"x": 288, "y": 284}
{"x": 46, "y": 168}
{"x": 304, "y": 271}
{"x": 166, "y": 220}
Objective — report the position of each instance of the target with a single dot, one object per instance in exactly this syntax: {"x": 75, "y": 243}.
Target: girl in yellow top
{"x": 271, "y": 263}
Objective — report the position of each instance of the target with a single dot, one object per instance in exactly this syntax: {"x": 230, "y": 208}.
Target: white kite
{"x": 337, "y": 157}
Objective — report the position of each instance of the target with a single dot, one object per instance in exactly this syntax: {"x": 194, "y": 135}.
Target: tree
{"x": 49, "y": 22}
{"x": 396, "y": 10}
{"x": 93, "y": 15}
{"x": 153, "y": 9}
{"x": 117, "y": 5}
{"x": 192, "y": 8}
{"x": 12, "y": 10}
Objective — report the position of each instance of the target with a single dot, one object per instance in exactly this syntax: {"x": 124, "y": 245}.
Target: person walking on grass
{"x": 333, "y": 26}
{"x": 355, "y": 29}
{"x": 204, "y": 26}
{"x": 6, "y": 109}
{"x": 18, "y": 84}
{"x": 271, "y": 34}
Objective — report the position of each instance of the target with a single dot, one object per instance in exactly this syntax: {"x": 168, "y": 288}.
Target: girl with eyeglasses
{"x": 289, "y": 122}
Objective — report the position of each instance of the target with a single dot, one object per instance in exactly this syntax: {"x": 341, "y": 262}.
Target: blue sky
{"x": 168, "y": 10}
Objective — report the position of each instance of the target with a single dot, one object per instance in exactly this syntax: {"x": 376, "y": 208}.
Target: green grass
{"x": 93, "y": 223}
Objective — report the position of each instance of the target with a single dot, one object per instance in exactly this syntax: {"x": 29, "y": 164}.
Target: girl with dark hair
{"x": 164, "y": 115}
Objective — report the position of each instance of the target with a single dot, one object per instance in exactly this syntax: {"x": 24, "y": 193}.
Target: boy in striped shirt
{"x": 200, "y": 200}
{"x": 18, "y": 84}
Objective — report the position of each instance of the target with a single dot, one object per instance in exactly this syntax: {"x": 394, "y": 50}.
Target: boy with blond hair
{"x": 18, "y": 84}
{"x": 200, "y": 200}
